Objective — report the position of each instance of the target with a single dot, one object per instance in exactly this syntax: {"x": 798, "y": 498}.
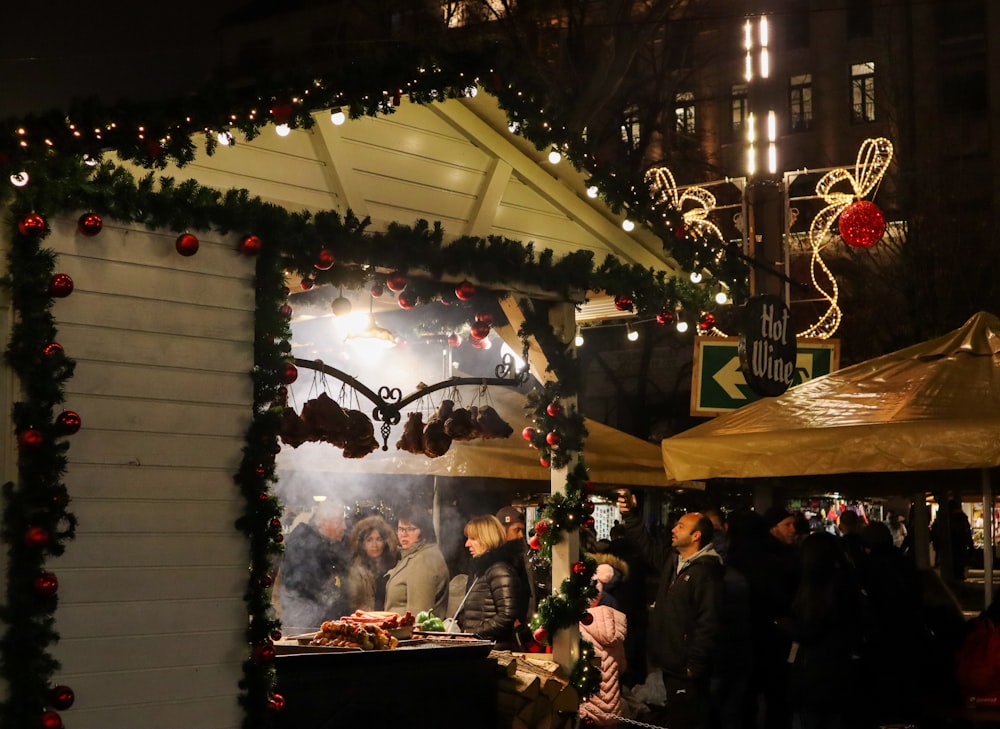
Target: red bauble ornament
{"x": 552, "y": 438}
{"x": 250, "y": 245}
{"x": 396, "y": 281}
{"x": 263, "y": 653}
{"x": 30, "y": 438}
{"x": 406, "y": 300}
{"x": 587, "y": 618}
{"x": 541, "y": 635}
{"x": 528, "y": 433}
{"x": 52, "y": 349}
{"x": 36, "y": 537}
{"x": 51, "y": 720}
{"x": 541, "y": 528}
{"x": 554, "y": 409}
{"x": 707, "y": 322}
{"x": 465, "y": 291}
{"x": 664, "y": 317}
{"x": 285, "y": 310}
{"x": 276, "y": 703}
{"x": 275, "y": 634}
{"x": 325, "y": 260}
{"x": 377, "y": 290}
{"x": 307, "y": 283}
{"x": 281, "y": 112}
{"x": 46, "y": 585}
{"x": 479, "y": 330}
{"x": 579, "y": 568}
{"x": 545, "y": 462}
{"x": 589, "y": 522}
{"x": 68, "y": 422}
{"x": 279, "y": 538}
{"x": 32, "y": 225}
{"x": 454, "y": 340}
{"x": 861, "y": 224}
{"x": 480, "y": 343}
{"x": 89, "y": 224}
{"x": 186, "y": 244}
{"x": 61, "y": 286}
{"x": 588, "y": 506}
{"x": 535, "y": 542}
{"x": 61, "y": 697}
{"x": 624, "y": 303}
{"x": 485, "y": 318}
{"x": 290, "y": 374}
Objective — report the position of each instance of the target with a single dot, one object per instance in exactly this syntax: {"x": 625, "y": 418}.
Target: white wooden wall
{"x": 151, "y": 608}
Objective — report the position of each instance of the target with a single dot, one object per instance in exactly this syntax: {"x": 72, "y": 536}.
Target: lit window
{"x": 800, "y": 102}
{"x": 863, "y": 92}
{"x": 631, "y": 127}
{"x": 684, "y": 112}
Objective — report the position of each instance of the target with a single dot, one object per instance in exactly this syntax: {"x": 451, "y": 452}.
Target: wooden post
{"x": 987, "y": 536}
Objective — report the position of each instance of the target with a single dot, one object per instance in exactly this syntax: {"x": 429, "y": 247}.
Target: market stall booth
{"x": 924, "y": 416}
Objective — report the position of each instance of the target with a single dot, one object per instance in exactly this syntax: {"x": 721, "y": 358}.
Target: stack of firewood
{"x": 531, "y": 693}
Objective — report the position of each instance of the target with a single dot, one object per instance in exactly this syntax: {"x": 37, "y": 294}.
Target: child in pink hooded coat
{"x": 607, "y": 633}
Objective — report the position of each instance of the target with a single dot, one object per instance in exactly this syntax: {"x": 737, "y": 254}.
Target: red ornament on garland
{"x": 861, "y": 224}
{"x": 545, "y": 462}
{"x": 479, "y": 330}
{"x": 30, "y": 438}
{"x": 465, "y": 290}
{"x": 89, "y": 224}
{"x": 263, "y": 653}
{"x": 46, "y": 584}
{"x": 541, "y": 635}
{"x": 250, "y": 245}
{"x": 61, "y": 697}
{"x": 281, "y": 113}
{"x": 554, "y": 409}
{"x": 275, "y": 634}
{"x": 69, "y": 422}
{"x": 541, "y": 528}
{"x": 579, "y": 568}
{"x": 186, "y": 244}
{"x": 51, "y": 720}
{"x": 32, "y": 225}
{"x": 552, "y": 438}
{"x": 377, "y": 290}
{"x": 36, "y": 537}
{"x": 528, "y": 433}
{"x": 290, "y": 374}
{"x": 61, "y": 286}
{"x": 454, "y": 340}
{"x": 707, "y": 322}
{"x": 396, "y": 281}
{"x": 589, "y": 522}
{"x": 52, "y": 349}
{"x": 587, "y": 618}
{"x": 480, "y": 343}
{"x": 624, "y": 303}
{"x": 535, "y": 542}
{"x": 285, "y": 310}
{"x": 485, "y": 318}
{"x": 664, "y": 317}
{"x": 325, "y": 260}
{"x": 276, "y": 703}
{"x": 407, "y": 300}
{"x": 307, "y": 283}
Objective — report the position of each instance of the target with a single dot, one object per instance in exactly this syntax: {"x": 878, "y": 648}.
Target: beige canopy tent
{"x": 934, "y": 406}
{"x": 612, "y": 456}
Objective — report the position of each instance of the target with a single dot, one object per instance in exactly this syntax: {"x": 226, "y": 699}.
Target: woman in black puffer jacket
{"x": 498, "y": 600}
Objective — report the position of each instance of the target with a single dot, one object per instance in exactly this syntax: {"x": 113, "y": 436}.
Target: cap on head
{"x": 510, "y": 515}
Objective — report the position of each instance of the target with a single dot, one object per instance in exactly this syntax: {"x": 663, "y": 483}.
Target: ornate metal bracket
{"x": 389, "y": 401}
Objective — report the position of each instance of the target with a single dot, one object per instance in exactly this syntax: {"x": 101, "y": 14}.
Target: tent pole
{"x": 987, "y": 536}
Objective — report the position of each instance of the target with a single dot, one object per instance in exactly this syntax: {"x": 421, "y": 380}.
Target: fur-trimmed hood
{"x": 366, "y": 525}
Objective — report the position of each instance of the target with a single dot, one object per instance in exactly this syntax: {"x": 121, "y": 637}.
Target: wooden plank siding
{"x": 151, "y": 610}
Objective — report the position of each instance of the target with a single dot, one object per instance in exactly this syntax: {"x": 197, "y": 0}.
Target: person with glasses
{"x": 374, "y": 550}
{"x": 419, "y": 581}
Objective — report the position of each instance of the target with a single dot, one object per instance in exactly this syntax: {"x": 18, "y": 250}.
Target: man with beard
{"x": 513, "y": 520}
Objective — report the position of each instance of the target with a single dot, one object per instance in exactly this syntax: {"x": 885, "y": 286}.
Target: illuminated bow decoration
{"x": 663, "y": 189}
{"x": 873, "y": 161}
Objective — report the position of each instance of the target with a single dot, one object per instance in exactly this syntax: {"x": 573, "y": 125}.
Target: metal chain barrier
{"x": 624, "y": 719}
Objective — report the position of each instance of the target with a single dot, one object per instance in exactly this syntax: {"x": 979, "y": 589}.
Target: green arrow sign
{"x": 718, "y": 385}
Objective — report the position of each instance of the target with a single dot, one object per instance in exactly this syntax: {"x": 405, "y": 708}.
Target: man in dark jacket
{"x": 314, "y": 570}
{"x": 686, "y": 619}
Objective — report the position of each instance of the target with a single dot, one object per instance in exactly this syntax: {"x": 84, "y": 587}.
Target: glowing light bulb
{"x": 338, "y": 117}
{"x": 283, "y": 130}
{"x": 682, "y": 326}
{"x": 19, "y": 179}
{"x": 628, "y": 226}
{"x": 721, "y": 298}
{"x": 578, "y": 339}
{"x": 592, "y": 191}
{"x": 555, "y": 157}
{"x": 631, "y": 334}
{"x": 225, "y": 138}
{"x": 696, "y": 277}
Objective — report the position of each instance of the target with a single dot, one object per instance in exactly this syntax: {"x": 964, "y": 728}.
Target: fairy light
{"x": 628, "y": 226}
{"x": 721, "y": 297}
{"x": 282, "y": 130}
{"x": 578, "y": 339}
{"x": 592, "y": 191}
{"x": 225, "y": 138}
{"x": 555, "y": 157}
{"x": 682, "y": 326}
{"x": 338, "y": 117}
{"x": 696, "y": 277}
{"x": 631, "y": 334}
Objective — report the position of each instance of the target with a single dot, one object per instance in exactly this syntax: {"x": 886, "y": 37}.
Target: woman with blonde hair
{"x": 497, "y": 599}
{"x": 374, "y": 551}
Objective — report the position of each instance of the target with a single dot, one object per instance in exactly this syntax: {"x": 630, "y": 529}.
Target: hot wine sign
{"x": 767, "y": 346}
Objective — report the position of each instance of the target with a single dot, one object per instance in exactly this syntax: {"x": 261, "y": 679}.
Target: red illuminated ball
{"x": 861, "y": 224}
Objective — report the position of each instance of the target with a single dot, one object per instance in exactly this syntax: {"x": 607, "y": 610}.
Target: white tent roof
{"x": 932, "y": 406}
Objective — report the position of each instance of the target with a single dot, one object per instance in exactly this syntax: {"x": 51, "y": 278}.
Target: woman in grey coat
{"x": 419, "y": 581}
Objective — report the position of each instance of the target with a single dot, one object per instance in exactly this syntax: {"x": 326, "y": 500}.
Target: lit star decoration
{"x": 873, "y": 160}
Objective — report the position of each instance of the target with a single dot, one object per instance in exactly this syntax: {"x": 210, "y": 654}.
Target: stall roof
{"x": 929, "y": 407}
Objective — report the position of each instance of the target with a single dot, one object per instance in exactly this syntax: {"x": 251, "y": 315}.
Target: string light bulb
{"x": 578, "y": 339}
{"x": 283, "y": 130}
{"x": 722, "y": 298}
{"x": 225, "y": 138}
{"x": 555, "y": 157}
{"x": 338, "y": 117}
{"x": 631, "y": 334}
{"x": 628, "y": 226}
{"x": 592, "y": 191}
{"x": 682, "y": 326}
{"x": 696, "y": 277}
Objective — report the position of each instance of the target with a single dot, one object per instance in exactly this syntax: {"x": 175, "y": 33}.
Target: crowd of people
{"x": 758, "y": 621}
